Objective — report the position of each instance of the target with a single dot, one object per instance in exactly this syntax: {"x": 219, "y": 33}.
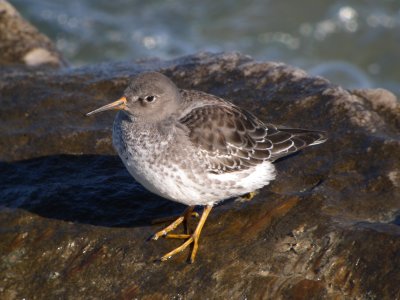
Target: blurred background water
{"x": 354, "y": 43}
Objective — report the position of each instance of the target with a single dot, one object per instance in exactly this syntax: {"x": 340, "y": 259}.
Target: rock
{"x": 75, "y": 224}
{"x": 23, "y": 44}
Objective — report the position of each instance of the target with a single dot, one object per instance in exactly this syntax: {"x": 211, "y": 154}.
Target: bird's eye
{"x": 150, "y": 98}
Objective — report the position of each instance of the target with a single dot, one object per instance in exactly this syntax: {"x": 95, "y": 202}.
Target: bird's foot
{"x": 191, "y": 238}
{"x": 182, "y": 218}
{"x": 247, "y": 197}
{"x": 177, "y": 236}
{"x": 167, "y": 229}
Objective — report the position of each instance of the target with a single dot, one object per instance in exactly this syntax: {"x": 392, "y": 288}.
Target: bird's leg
{"x": 173, "y": 218}
{"x": 193, "y": 238}
{"x": 174, "y": 224}
{"x": 188, "y": 212}
{"x": 197, "y": 231}
{"x": 186, "y": 216}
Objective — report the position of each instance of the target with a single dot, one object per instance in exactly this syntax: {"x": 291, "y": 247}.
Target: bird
{"x": 196, "y": 148}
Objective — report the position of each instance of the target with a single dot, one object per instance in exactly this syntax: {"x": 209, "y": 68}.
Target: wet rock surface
{"x": 74, "y": 224}
{"x": 22, "y": 44}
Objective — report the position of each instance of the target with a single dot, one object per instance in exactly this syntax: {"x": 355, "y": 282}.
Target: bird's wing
{"x": 290, "y": 140}
{"x": 231, "y": 139}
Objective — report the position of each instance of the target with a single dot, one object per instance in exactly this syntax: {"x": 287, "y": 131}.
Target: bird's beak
{"x": 119, "y": 104}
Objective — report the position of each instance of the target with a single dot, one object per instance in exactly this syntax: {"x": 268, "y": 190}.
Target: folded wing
{"x": 231, "y": 139}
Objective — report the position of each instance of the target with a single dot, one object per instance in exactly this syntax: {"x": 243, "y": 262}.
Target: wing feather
{"x": 232, "y": 139}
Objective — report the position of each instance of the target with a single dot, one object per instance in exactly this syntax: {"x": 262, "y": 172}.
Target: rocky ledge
{"x": 22, "y": 44}
{"x": 75, "y": 225}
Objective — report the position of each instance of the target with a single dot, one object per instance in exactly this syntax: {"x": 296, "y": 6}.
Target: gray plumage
{"x": 196, "y": 148}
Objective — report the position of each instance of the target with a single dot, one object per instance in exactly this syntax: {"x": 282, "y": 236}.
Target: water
{"x": 352, "y": 43}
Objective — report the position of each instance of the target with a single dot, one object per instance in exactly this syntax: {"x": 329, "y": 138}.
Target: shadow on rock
{"x": 90, "y": 189}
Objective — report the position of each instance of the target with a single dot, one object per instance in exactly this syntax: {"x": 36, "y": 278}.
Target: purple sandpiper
{"x": 195, "y": 148}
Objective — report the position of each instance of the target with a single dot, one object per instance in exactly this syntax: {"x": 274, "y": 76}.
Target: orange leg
{"x": 173, "y": 218}
{"x": 193, "y": 238}
{"x": 173, "y": 225}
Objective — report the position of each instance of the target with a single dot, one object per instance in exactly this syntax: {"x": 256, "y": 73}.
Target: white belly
{"x": 165, "y": 182}
{"x": 174, "y": 184}
{"x": 146, "y": 161}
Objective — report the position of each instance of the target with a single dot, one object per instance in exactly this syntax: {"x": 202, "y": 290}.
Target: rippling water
{"x": 353, "y": 43}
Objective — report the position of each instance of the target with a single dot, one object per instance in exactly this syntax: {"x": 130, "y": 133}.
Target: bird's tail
{"x": 309, "y": 137}
{"x": 290, "y": 140}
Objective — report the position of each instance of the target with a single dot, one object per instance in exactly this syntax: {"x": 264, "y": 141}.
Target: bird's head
{"x": 150, "y": 96}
